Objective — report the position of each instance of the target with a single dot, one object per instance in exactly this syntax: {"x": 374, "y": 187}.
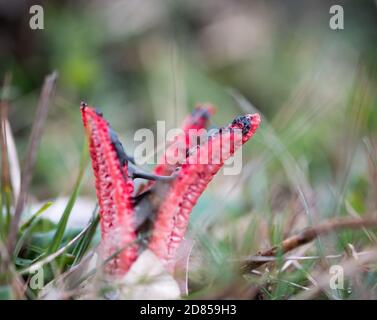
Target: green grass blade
{"x": 50, "y": 258}
{"x": 35, "y": 215}
{"x": 81, "y": 248}
{"x": 27, "y": 227}
{"x": 57, "y": 240}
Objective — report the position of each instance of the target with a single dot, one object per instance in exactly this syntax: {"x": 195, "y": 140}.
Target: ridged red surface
{"x": 193, "y": 178}
{"x": 114, "y": 191}
{"x": 197, "y": 120}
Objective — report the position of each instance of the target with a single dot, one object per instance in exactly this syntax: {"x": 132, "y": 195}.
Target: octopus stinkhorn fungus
{"x": 158, "y": 214}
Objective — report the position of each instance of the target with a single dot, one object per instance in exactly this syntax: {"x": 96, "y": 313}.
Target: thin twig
{"x": 35, "y": 138}
{"x": 14, "y": 165}
{"x": 305, "y": 237}
{"x": 4, "y": 160}
{"x": 5, "y": 180}
{"x": 350, "y": 266}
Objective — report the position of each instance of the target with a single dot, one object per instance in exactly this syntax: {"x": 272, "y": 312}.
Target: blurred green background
{"x": 143, "y": 60}
{"x": 315, "y": 155}
{"x": 147, "y": 60}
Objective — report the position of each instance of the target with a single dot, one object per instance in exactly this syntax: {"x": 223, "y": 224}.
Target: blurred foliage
{"x": 146, "y": 60}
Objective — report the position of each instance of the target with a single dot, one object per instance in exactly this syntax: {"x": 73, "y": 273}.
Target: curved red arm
{"x": 193, "y": 178}
{"x": 114, "y": 192}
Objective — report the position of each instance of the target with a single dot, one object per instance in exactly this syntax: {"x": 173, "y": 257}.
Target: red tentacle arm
{"x": 114, "y": 191}
{"x": 197, "y": 120}
{"x": 172, "y": 217}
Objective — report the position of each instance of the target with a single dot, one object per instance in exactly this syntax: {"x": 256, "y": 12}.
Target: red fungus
{"x": 169, "y": 203}
{"x": 114, "y": 192}
{"x": 193, "y": 178}
{"x": 197, "y": 120}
